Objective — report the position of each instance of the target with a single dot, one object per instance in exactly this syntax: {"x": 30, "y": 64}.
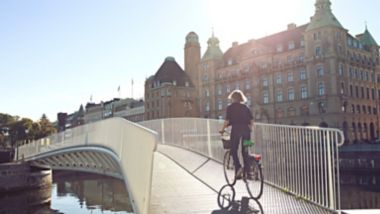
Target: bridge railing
{"x": 132, "y": 144}
{"x": 302, "y": 161}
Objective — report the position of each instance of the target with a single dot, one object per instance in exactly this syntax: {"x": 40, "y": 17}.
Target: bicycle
{"x": 252, "y": 176}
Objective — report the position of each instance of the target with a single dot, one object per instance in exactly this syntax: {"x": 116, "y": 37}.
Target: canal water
{"x": 71, "y": 193}
{"x": 80, "y": 193}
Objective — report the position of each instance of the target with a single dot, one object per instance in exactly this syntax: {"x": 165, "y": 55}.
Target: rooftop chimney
{"x": 292, "y": 26}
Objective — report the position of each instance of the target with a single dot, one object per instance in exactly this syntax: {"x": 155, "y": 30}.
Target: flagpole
{"x": 132, "y": 89}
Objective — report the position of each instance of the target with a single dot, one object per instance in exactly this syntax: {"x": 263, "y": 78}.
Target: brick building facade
{"x": 314, "y": 74}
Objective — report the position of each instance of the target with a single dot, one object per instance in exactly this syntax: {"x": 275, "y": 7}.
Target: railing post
{"x": 330, "y": 171}
{"x": 162, "y": 132}
{"x": 209, "y": 139}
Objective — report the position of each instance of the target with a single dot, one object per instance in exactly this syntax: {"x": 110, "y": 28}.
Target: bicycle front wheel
{"x": 255, "y": 180}
{"x": 229, "y": 169}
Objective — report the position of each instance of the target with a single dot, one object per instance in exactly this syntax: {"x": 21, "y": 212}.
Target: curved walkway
{"x": 186, "y": 182}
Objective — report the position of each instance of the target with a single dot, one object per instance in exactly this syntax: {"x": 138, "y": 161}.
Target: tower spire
{"x": 323, "y": 16}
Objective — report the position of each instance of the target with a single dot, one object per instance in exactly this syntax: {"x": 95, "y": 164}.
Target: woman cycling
{"x": 239, "y": 117}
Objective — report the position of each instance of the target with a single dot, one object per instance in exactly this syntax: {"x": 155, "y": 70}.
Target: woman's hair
{"x": 237, "y": 96}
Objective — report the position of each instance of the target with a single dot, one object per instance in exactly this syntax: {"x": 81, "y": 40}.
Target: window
{"x": 237, "y": 86}
{"x": 290, "y": 94}
{"x": 373, "y": 94}
{"x": 303, "y": 74}
{"x": 357, "y": 91}
{"x": 290, "y": 77}
{"x": 220, "y": 104}
{"x": 302, "y": 58}
{"x": 266, "y": 97}
{"x": 358, "y": 109}
{"x": 351, "y": 70}
{"x": 369, "y": 109}
{"x": 205, "y": 77}
{"x": 318, "y": 51}
{"x": 321, "y": 89}
{"x": 291, "y": 45}
{"x": 322, "y": 107}
{"x": 341, "y": 69}
{"x": 353, "y": 108}
{"x": 320, "y": 70}
{"x": 228, "y": 89}
{"x": 174, "y": 83}
{"x": 249, "y": 101}
{"x": 302, "y": 42}
{"x": 219, "y": 90}
{"x": 265, "y": 82}
{"x": 303, "y": 92}
{"x": 304, "y": 110}
{"x": 351, "y": 91}
{"x": 247, "y": 84}
{"x": 368, "y": 94}
{"x": 207, "y": 93}
{"x": 278, "y": 79}
{"x": 279, "y": 96}
{"x": 279, "y": 48}
{"x": 291, "y": 112}
{"x": 362, "y": 90}
{"x": 207, "y": 106}
{"x": 342, "y": 89}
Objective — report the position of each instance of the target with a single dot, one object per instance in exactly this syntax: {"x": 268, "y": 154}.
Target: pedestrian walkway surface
{"x": 186, "y": 182}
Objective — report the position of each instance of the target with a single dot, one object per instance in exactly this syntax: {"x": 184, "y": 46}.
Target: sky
{"x": 56, "y": 55}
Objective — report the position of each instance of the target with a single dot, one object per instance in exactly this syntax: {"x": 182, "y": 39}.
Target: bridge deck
{"x": 185, "y": 182}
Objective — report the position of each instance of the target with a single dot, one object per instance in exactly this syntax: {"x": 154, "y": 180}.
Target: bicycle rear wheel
{"x": 255, "y": 180}
{"x": 226, "y": 196}
{"x": 228, "y": 168}
{"x": 254, "y": 207}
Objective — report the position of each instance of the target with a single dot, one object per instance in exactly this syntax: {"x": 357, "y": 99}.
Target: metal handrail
{"x": 300, "y": 160}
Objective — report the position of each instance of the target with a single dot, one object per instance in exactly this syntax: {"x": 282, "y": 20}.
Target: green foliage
{"x": 13, "y": 129}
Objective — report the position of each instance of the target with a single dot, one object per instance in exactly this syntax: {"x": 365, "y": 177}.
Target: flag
{"x": 132, "y": 81}
{"x": 118, "y": 89}
{"x": 91, "y": 98}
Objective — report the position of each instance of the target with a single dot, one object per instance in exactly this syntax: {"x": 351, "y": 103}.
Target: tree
{"x": 46, "y": 127}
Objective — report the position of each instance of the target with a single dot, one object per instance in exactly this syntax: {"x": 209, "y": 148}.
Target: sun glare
{"x": 246, "y": 19}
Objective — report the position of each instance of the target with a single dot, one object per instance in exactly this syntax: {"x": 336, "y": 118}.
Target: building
{"x": 130, "y": 109}
{"x": 314, "y": 74}
{"x": 170, "y": 92}
{"x": 127, "y": 108}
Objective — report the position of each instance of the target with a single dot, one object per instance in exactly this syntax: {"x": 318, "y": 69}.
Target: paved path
{"x": 185, "y": 182}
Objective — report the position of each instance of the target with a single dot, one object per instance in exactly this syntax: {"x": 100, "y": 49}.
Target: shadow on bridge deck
{"x": 186, "y": 182}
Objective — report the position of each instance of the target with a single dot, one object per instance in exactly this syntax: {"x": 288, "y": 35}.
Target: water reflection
{"x": 360, "y": 189}
{"x": 78, "y": 193}
{"x": 30, "y": 201}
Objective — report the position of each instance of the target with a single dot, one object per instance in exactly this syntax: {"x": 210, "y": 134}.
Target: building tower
{"x": 192, "y": 57}
{"x": 211, "y": 61}
{"x": 325, "y": 45}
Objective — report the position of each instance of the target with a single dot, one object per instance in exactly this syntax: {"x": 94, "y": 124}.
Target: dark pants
{"x": 238, "y": 135}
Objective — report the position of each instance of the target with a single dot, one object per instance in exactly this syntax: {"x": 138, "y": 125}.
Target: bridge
{"x": 175, "y": 165}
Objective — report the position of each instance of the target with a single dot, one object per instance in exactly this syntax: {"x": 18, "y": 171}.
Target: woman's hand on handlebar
{"x": 221, "y": 131}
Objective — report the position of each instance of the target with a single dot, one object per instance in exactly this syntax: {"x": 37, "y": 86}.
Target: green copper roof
{"x": 213, "y": 50}
{"x": 192, "y": 37}
{"x": 323, "y": 16}
{"x": 367, "y": 39}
